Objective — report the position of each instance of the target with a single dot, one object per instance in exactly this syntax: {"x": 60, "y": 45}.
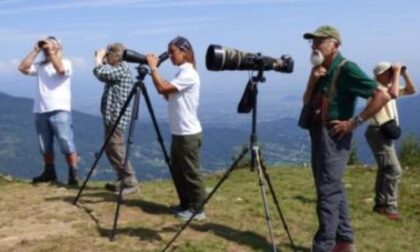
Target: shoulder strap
{"x": 393, "y": 105}
{"x": 333, "y": 86}
{"x": 388, "y": 113}
{"x": 396, "y": 112}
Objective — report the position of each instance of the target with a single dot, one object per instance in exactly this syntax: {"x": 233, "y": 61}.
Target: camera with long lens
{"x": 220, "y": 58}
{"x": 135, "y": 57}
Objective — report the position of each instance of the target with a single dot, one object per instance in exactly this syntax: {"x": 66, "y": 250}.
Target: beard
{"x": 317, "y": 58}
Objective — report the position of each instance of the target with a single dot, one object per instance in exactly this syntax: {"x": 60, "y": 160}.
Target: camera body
{"x": 220, "y": 58}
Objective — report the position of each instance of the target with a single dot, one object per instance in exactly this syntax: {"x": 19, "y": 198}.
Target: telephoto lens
{"x": 220, "y": 58}
{"x": 134, "y": 57}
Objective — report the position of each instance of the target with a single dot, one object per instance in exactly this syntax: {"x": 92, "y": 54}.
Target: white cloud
{"x": 13, "y": 35}
{"x": 9, "y": 1}
{"x": 80, "y": 63}
{"x": 215, "y": 2}
{"x": 142, "y": 3}
{"x": 72, "y": 5}
{"x": 8, "y": 67}
{"x": 172, "y": 25}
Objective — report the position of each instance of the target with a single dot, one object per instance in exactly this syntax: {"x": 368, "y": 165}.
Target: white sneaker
{"x": 186, "y": 215}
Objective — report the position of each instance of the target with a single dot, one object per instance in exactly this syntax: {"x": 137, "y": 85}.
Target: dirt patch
{"x": 33, "y": 214}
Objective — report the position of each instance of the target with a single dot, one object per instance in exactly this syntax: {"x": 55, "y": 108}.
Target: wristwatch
{"x": 359, "y": 120}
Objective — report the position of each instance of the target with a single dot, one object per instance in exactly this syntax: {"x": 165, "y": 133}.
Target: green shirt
{"x": 352, "y": 82}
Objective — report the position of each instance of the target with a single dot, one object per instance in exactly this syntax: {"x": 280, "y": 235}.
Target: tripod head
{"x": 142, "y": 71}
{"x": 135, "y": 57}
{"x": 247, "y": 104}
{"x": 248, "y": 100}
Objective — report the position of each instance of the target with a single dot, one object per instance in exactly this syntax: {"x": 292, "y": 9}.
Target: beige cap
{"x": 325, "y": 31}
{"x": 381, "y": 67}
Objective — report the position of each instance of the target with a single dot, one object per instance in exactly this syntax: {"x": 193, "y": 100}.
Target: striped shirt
{"x": 118, "y": 84}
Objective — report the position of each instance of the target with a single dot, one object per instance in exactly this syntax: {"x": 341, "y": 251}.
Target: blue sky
{"x": 372, "y": 31}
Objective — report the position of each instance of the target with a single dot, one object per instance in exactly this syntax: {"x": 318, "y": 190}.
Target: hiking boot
{"x": 48, "y": 175}
{"x": 390, "y": 214}
{"x": 115, "y": 188}
{"x": 379, "y": 209}
{"x": 394, "y": 215}
{"x": 129, "y": 190}
{"x": 344, "y": 247}
{"x": 73, "y": 177}
{"x": 186, "y": 215}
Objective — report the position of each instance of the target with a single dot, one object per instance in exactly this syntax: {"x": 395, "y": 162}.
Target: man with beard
{"x": 333, "y": 86}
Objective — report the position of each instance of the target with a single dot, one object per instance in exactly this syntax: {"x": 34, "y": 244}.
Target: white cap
{"x": 381, "y": 67}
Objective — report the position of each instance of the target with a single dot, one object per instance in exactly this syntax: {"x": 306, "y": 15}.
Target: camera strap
{"x": 248, "y": 98}
{"x": 333, "y": 87}
{"x": 321, "y": 102}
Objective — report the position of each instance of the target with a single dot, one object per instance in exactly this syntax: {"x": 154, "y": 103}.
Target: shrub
{"x": 409, "y": 152}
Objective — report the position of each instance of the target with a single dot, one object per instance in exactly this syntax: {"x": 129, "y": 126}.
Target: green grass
{"x": 42, "y": 218}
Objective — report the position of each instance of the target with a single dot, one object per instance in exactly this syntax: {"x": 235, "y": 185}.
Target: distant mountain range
{"x": 19, "y": 154}
{"x": 282, "y": 142}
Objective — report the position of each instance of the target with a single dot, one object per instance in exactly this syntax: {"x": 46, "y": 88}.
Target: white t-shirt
{"x": 183, "y": 105}
{"x": 53, "y": 90}
{"x": 388, "y": 112}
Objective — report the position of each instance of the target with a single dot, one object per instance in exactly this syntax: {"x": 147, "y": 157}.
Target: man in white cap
{"x": 382, "y": 144}
{"x": 332, "y": 89}
{"x": 52, "y": 106}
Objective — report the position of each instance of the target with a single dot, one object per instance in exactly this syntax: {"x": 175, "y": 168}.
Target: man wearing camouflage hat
{"x": 333, "y": 86}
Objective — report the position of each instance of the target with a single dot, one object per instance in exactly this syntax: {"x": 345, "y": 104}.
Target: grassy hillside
{"x": 42, "y": 218}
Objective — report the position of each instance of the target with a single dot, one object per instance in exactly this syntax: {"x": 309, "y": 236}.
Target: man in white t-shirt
{"x": 383, "y": 147}
{"x": 52, "y": 106}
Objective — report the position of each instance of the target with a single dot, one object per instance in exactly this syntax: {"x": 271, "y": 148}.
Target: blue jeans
{"x": 329, "y": 159}
{"x": 56, "y": 124}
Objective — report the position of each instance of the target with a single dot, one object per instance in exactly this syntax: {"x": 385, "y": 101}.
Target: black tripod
{"x": 138, "y": 88}
{"x": 248, "y": 103}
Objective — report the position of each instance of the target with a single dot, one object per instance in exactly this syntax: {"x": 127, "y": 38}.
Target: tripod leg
{"x": 98, "y": 155}
{"x": 225, "y": 176}
{"x": 276, "y": 202}
{"x": 133, "y": 119}
{"x": 156, "y": 126}
{"x": 117, "y": 212}
{"x": 264, "y": 197}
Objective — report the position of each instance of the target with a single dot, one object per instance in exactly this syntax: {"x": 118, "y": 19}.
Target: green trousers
{"x": 185, "y": 165}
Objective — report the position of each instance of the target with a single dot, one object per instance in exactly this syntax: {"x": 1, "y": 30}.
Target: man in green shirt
{"x": 333, "y": 86}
